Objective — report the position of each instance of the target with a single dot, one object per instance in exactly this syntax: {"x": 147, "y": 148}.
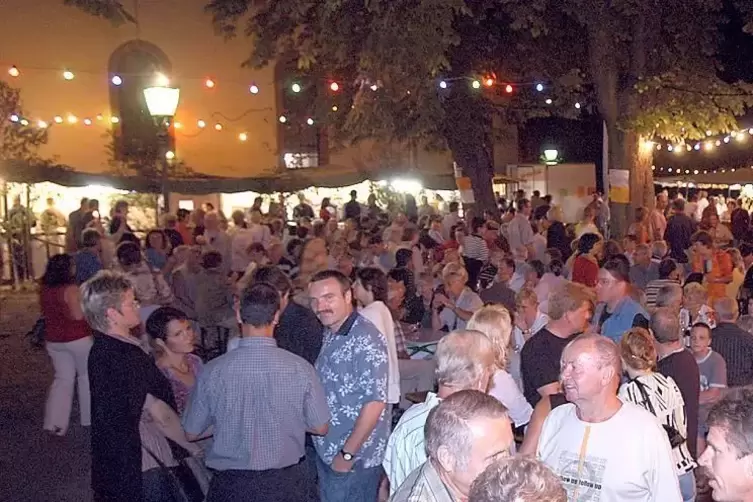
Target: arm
{"x": 549, "y": 389}
{"x": 72, "y": 297}
{"x": 710, "y": 396}
{"x": 168, "y": 422}
{"x": 533, "y": 431}
{"x": 365, "y": 423}
{"x": 316, "y": 410}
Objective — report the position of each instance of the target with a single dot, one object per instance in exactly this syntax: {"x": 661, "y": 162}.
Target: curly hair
{"x": 519, "y": 479}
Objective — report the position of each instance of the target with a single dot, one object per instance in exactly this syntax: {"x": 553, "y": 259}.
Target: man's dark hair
{"x": 374, "y": 280}
{"x": 84, "y": 201}
{"x": 274, "y": 277}
{"x": 454, "y": 206}
{"x": 258, "y": 305}
{"x": 734, "y": 415}
{"x": 554, "y": 254}
{"x": 332, "y": 274}
{"x": 211, "y": 259}
{"x": 703, "y": 237}
{"x": 128, "y": 253}
{"x": 618, "y": 268}
{"x": 521, "y": 204}
{"x": 678, "y": 205}
{"x": 353, "y": 194}
{"x": 90, "y": 237}
{"x": 556, "y": 267}
{"x": 402, "y": 275}
{"x": 536, "y": 193}
{"x": 182, "y": 214}
{"x": 666, "y": 267}
{"x": 403, "y": 257}
{"x": 510, "y": 263}
{"x": 93, "y": 204}
{"x": 476, "y": 223}
{"x": 538, "y": 267}
{"x": 746, "y": 249}
{"x": 548, "y": 198}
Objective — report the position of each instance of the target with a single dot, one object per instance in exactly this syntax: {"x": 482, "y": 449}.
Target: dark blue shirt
{"x": 87, "y": 264}
{"x": 300, "y": 332}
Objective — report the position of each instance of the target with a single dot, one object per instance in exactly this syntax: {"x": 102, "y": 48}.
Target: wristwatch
{"x": 348, "y": 457}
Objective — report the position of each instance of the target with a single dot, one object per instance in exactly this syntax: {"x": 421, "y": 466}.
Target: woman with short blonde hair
{"x": 495, "y": 322}
{"x": 452, "y": 308}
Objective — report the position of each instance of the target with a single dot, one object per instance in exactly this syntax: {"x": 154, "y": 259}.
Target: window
{"x": 136, "y": 138}
{"x": 302, "y": 139}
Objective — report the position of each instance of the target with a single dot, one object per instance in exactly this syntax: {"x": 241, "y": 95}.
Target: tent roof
{"x": 728, "y": 177}
{"x": 289, "y": 180}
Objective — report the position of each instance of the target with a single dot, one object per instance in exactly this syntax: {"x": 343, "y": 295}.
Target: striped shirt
{"x": 652, "y": 290}
{"x": 735, "y": 345}
{"x": 405, "y": 448}
{"x": 669, "y": 406}
{"x": 476, "y": 248}
{"x": 423, "y": 485}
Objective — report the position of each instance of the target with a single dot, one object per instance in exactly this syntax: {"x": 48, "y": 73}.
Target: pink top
{"x": 180, "y": 389}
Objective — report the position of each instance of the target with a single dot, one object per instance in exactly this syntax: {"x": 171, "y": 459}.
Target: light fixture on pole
{"x": 162, "y": 102}
{"x": 551, "y": 156}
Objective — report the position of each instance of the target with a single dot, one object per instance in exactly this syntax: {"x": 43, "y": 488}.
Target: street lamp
{"x": 551, "y": 156}
{"x": 162, "y": 102}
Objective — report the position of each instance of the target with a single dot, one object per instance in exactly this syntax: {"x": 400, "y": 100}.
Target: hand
{"x": 339, "y": 464}
{"x": 442, "y": 301}
{"x": 195, "y": 450}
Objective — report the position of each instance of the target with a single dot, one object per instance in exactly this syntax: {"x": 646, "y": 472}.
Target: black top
{"x": 174, "y": 237}
{"x": 556, "y": 237}
{"x": 300, "y": 332}
{"x": 540, "y": 362}
{"x": 352, "y": 209}
{"x": 303, "y": 210}
{"x": 683, "y": 369}
{"x": 115, "y": 223}
{"x": 121, "y": 374}
{"x": 679, "y": 230}
{"x": 735, "y": 345}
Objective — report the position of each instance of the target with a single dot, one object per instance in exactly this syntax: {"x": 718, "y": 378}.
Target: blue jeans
{"x": 687, "y": 486}
{"x": 358, "y": 485}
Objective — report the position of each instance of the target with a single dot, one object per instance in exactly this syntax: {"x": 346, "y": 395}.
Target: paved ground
{"x": 33, "y": 466}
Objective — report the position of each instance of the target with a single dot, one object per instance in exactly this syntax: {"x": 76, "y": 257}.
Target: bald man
{"x": 604, "y": 449}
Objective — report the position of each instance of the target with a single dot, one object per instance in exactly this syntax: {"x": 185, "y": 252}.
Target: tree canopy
{"x": 19, "y": 139}
{"x": 649, "y": 68}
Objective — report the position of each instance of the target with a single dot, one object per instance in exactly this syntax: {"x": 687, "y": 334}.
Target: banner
{"x": 619, "y": 186}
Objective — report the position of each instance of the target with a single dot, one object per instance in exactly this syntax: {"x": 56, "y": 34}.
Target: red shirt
{"x": 59, "y": 327}
{"x": 585, "y": 271}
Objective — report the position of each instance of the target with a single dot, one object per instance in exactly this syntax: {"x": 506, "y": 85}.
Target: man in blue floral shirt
{"x": 352, "y": 366}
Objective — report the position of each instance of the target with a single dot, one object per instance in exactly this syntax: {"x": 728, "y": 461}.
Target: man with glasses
{"x": 618, "y": 311}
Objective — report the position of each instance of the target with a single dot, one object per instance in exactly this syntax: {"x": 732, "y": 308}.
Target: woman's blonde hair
{"x": 454, "y": 270}
{"x": 495, "y": 322}
{"x": 526, "y": 295}
{"x": 696, "y": 291}
{"x": 637, "y": 349}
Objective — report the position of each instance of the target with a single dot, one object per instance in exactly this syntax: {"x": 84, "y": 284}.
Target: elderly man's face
{"x": 491, "y": 439}
{"x": 582, "y": 378}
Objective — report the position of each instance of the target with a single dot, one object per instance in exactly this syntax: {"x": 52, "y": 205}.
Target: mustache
{"x": 320, "y": 312}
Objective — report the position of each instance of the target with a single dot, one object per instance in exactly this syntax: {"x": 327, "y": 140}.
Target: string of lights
{"x": 707, "y": 145}
{"x": 476, "y": 82}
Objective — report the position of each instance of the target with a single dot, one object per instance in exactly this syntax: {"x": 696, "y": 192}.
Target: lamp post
{"x": 551, "y": 156}
{"x": 162, "y": 102}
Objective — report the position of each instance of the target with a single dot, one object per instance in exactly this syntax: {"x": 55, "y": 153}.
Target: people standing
{"x": 353, "y": 367}
{"x": 68, "y": 340}
{"x": 132, "y": 405}
{"x": 260, "y": 401}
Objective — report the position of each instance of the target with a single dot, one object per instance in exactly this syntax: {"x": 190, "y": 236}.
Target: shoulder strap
{"x": 644, "y": 394}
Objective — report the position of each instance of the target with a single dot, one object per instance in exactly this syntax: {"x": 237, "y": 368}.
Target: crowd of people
{"x": 569, "y": 366}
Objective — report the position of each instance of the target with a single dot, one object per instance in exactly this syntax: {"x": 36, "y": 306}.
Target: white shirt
{"x": 449, "y": 221}
{"x": 519, "y": 232}
{"x": 469, "y": 301}
{"x": 242, "y": 238}
{"x": 624, "y": 459}
{"x": 507, "y": 392}
{"x": 702, "y": 204}
{"x": 260, "y": 233}
{"x": 380, "y": 316}
{"x": 405, "y": 448}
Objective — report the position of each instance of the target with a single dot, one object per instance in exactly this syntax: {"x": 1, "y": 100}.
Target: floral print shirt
{"x": 352, "y": 367}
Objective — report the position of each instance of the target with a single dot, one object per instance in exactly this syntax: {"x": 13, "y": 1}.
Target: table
{"x": 417, "y": 373}
{"x": 422, "y": 344}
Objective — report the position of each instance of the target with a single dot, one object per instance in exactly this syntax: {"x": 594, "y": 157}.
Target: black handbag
{"x": 674, "y": 436}
{"x": 186, "y": 487}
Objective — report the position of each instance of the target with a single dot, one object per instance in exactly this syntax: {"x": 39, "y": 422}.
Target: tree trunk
{"x": 626, "y": 152}
{"x": 480, "y": 173}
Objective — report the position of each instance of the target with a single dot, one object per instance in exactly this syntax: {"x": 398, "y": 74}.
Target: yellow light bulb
{"x": 169, "y": 155}
{"x": 88, "y": 122}
{"x": 42, "y": 124}
{"x": 243, "y": 136}
{"x": 114, "y": 120}
{"x": 72, "y": 119}
{"x": 201, "y": 124}
{"x": 68, "y": 75}
{"x": 13, "y": 71}
{"x": 217, "y": 126}
{"x": 58, "y": 119}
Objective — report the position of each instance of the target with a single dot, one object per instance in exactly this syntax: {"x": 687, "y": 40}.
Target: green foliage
{"x": 652, "y": 65}
{"x": 17, "y": 142}
{"x": 110, "y": 10}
